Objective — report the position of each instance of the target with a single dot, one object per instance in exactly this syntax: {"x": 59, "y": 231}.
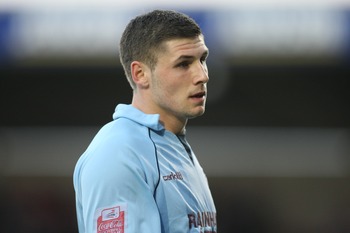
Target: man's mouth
{"x": 198, "y": 95}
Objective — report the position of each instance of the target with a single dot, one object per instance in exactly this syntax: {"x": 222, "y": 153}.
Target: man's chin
{"x": 196, "y": 114}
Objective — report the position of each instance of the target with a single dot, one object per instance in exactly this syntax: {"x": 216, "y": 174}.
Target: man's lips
{"x": 200, "y": 94}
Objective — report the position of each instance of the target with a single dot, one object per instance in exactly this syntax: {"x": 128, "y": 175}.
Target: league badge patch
{"x": 111, "y": 220}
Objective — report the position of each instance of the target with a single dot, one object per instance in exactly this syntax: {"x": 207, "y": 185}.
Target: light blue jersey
{"x": 137, "y": 177}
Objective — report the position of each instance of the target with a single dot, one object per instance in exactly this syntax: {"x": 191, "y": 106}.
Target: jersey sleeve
{"x": 114, "y": 191}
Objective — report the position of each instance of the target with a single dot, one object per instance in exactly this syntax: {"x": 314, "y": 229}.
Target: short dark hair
{"x": 144, "y": 35}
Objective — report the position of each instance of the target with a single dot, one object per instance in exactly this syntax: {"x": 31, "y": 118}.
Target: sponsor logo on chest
{"x": 173, "y": 176}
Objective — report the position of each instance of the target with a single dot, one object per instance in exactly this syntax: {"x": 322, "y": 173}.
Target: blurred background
{"x": 275, "y": 139}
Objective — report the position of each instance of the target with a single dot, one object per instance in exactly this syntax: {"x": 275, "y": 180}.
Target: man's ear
{"x": 140, "y": 74}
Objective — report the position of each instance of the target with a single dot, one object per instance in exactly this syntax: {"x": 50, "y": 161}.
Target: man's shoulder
{"x": 125, "y": 129}
{"x": 118, "y": 141}
{"x": 123, "y": 135}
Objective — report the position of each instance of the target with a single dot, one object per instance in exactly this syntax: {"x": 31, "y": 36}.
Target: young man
{"x": 139, "y": 174}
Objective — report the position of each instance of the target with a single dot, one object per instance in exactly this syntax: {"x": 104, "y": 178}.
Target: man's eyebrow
{"x": 189, "y": 57}
{"x": 185, "y": 57}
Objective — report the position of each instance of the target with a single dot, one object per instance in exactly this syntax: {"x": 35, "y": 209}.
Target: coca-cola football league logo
{"x": 111, "y": 220}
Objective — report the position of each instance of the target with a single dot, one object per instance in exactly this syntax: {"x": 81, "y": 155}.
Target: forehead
{"x": 185, "y": 46}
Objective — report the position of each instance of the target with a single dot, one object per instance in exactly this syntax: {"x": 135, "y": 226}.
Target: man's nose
{"x": 201, "y": 73}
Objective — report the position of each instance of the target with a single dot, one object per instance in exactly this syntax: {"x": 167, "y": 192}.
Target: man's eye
{"x": 183, "y": 64}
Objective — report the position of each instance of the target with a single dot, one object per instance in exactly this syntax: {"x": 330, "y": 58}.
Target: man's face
{"x": 179, "y": 80}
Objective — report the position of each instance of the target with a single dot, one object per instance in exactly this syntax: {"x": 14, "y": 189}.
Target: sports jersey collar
{"x": 132, "y": 113}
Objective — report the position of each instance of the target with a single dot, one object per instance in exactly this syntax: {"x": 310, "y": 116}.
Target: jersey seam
{"x": 156, "y": 156}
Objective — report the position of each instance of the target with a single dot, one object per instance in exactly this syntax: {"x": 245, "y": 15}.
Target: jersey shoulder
{"x": 118, "y": 145}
